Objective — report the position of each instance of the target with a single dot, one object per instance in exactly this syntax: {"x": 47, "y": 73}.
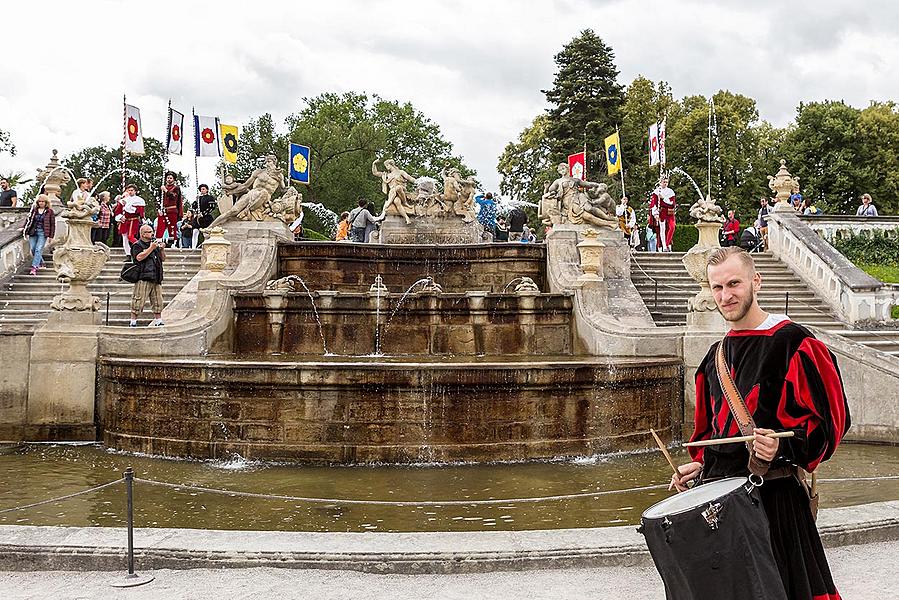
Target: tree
{"x": 5, "y": 144}
{"x": 526, "y": 165}
{"x": 645, "y": 103}
{"x": 345, "y": 133}
{"x": 585, "y": 99}
{"x": 878, "y": 130}
{"x": 823, "y": 149}
{"x": 103, "y": 164}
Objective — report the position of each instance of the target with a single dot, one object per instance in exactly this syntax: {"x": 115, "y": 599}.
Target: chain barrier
{"x": 61, "y": 498}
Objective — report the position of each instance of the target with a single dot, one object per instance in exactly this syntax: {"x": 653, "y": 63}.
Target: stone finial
{"x": 783, "y": 184}
{"x": 705, "y": 210}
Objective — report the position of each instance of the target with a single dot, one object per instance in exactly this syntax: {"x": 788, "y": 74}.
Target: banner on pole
{"x": 134, "y": 133}
{"x": 175, "y": 143}
{"x": 299, "y": 163}
{"x": 654, "y": 144}
{"x": 206, "y": 136}
{"x": 662, "y": 156}
{"x": 613, "y": 153}
{"x": 229, "y": 142}
{"x": 577, "y": 165}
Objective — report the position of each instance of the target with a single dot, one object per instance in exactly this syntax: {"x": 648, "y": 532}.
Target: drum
{"x": 712, "y": 541}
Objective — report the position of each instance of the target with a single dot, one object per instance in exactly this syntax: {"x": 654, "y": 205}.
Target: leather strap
{"x": 738, "y": 409}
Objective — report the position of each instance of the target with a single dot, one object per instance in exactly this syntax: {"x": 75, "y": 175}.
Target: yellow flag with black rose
{"x": 229, "y": 142}
{"x": 613, "y": 153}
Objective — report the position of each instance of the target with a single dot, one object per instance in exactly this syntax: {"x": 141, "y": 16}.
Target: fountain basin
{"x": 353, "y": 410}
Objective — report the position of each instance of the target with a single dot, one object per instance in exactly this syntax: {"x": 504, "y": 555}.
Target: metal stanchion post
{"x": 132, "y": 579}
{"x": 655, "y": 298}
{"x": 787, "y": 303}
{"x": 107, "y": 308}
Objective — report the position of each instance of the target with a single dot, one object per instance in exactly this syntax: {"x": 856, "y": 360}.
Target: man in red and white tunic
{"x": 172, "y": 209}
{"x": 663, "y": 200}
{"x": 132, "y": 217}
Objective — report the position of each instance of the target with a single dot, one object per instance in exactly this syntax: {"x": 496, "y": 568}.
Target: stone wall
{"x": 424, "y": 324}
{"x": 363, "y": 411}
{"x": 348, "y": 267}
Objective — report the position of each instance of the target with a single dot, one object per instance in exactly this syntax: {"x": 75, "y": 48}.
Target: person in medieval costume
{"x": 172, "y": 209}
{"x": 132, "y": 216}
{"x": 664, "y": 203}
{"x": 789, "y": 382}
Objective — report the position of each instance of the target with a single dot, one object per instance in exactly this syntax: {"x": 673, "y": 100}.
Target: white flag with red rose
{"x": 134, "y": 133}
{"x": 206, "y": 134}
{"x": 176, "y": 132}
{"x": 654, "y": 144}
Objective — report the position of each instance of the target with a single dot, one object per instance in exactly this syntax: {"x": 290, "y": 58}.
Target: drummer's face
{"x": 734, "y": 286}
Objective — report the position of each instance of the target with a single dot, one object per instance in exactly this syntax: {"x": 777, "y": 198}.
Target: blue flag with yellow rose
{"x": 299, "y": 163}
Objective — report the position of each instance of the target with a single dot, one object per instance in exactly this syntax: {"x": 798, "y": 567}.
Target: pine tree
{"x": 585, "y": 97}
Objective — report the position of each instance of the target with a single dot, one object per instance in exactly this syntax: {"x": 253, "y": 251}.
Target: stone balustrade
{"x": 851, "y": 293}
{"x": 832, "y": 227}
{"x": 13, "y": 247}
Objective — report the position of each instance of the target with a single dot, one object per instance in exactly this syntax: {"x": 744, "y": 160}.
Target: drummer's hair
{"x": 722, "y": 254}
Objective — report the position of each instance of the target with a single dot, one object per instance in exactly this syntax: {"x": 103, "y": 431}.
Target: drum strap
{"x": 738, "y": 409}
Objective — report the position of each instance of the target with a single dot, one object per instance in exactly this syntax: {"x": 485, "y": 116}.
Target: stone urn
{"x": 591, "y": 251}
{"x": 708, "y": 221}
{"x": 783, "y": 185}
{"x": 78, "y": 260}
{"x": 216, "y": 250}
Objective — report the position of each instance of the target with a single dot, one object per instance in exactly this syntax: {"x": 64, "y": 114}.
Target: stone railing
{"x": 13, "y": 247}
{"x": 832, "y": 227}
{"x": 851, "y": 293}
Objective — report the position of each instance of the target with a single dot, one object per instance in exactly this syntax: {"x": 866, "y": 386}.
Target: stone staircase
{"x": 665, "y": 286}
{"x": 25, "y": 299}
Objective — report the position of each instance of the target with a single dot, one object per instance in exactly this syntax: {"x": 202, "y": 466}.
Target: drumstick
{"x": 735, "y": 440}
{"x": 664, "y": 451}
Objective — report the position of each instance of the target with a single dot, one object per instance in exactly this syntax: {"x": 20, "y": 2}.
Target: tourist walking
{"x": 371, "y": 226}
{"x": 204, "y": 214}
{"x": 761, "y": 221}
{"x": 149, "y": 253}
{"x": 82, "y": 189}
{"x": 359, "y": 219}
{"x": 501, "y": 233}
{"x": 186, "y": 229}
{"x": 343, "y": 227}
{"x": 487, "y": 213}
{"x": 867, "y": 209}
{"x": 40, "y": 227}
{"x": 517, "y": 220}
{"x": 731, "y": 229}
{"x": 100, "y": 233}
{"x": 791, "y": 382}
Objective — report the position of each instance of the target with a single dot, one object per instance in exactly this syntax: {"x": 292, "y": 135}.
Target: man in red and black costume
{"x": 172, "y": 209}
{"x": 665, "y": 203}
{"x": 790, "y": 382}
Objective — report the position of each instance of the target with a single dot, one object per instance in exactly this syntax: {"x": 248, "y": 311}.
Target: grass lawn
{"x": 885, "y": 273}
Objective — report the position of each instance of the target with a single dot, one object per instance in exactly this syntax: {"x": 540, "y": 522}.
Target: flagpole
{"x": 165, "y": 158}
{"x": 193, "y": 113}
{"x": 621, "y": 160}
{"x": 124, "y": 136}
{"x": 585, "y": 154}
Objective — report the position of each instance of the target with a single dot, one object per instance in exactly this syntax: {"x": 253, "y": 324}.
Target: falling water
{"x": 59, "y": 168}
{"x": 379, "y": 282}
{"x": 713, "y": 130}
{"x": 128, "y": 171}
{"x": 510, "y": 283}
{"x": 315, "y": 313}
{"x": 687, "y": 175}
{"x": 403, "y": 298}
{"x": 328, "y": 217}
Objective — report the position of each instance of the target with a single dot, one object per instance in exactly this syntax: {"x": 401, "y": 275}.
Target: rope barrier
{"x": 61, "y": 498}
{"x": 449, "y": 502}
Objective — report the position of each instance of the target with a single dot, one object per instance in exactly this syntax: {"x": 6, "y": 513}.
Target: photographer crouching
{"x": 149, "y": 254}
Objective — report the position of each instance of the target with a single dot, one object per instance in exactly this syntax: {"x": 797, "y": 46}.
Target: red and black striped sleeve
{"x": 813, "y": 404}
{"x": 702, "y": 419}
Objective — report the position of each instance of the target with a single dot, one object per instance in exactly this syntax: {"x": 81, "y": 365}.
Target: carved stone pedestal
{"x": 439, "y": 229}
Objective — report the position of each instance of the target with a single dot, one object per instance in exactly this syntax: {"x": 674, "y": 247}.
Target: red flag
{"x": 577, "y": 165}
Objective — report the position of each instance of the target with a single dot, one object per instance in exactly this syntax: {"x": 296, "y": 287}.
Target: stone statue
{"x": 393, "y": 183}
{"x": 706, "y": 211}
{"x": 291, "y": 283}
{"x": 78, "y": 260}
{"x": 252, "y": 196}
{"x": 459, "y": 193}
{"x": 592, "y": 204}
{"x": 553, "y": 208}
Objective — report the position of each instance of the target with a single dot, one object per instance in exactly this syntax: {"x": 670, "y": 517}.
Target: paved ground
{"x": 864, "y": 572}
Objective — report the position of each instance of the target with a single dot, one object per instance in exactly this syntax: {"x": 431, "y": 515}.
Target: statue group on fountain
{"x": 457, "y": 198}
{"x": 577, "y": 201}
{"x": 253, "y": 199}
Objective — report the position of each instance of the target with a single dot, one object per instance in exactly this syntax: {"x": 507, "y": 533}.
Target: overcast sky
{"x": 474, "y": 67}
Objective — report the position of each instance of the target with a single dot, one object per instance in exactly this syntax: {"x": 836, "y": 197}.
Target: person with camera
{"x": 147, "y": 254}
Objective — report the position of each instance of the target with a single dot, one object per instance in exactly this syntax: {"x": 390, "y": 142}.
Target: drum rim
{"x": 685, "y": 510}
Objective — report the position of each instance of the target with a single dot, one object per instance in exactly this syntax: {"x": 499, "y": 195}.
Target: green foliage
{"x": 685, "y": 237}
{"x": 345, "y": 133}
{"x": 884, "y": 273}
{"x": 876, "y": 249}
{"x": 525, "y": 166}
{"x": 6, "y": 144}
{"x": 585, "y": 99}
{"x": 645, "y": 103}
